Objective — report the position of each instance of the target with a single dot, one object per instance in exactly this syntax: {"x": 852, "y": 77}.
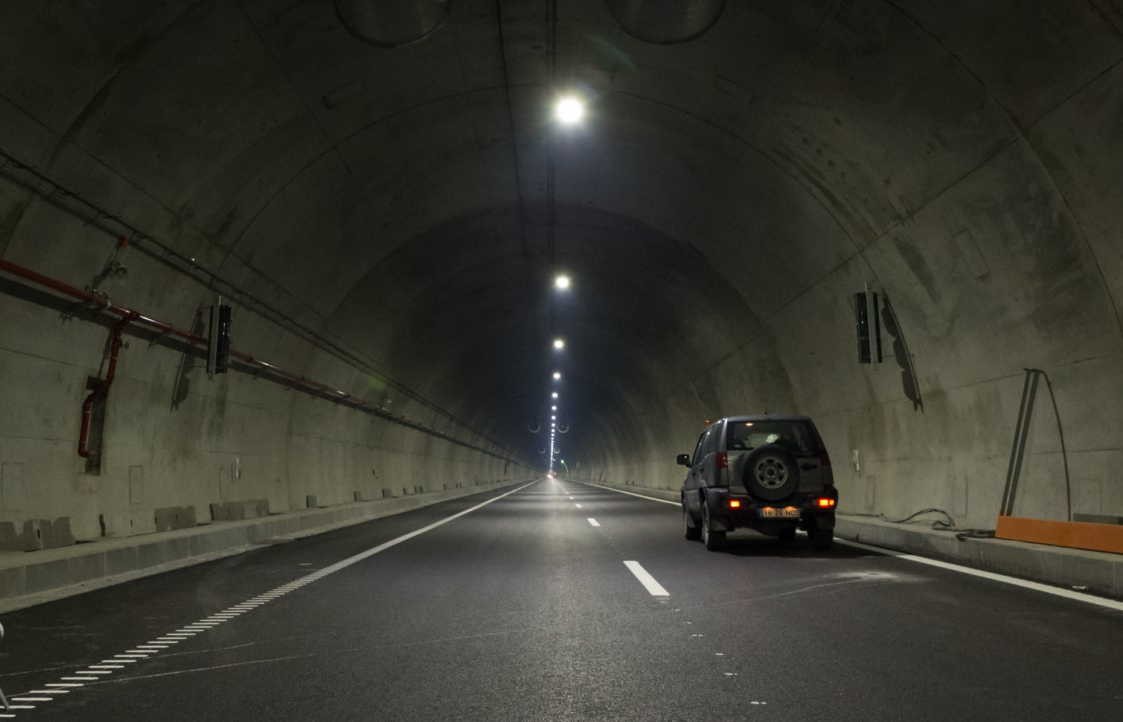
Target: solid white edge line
{"x": 993, "y": 576}
{"x": 592, "y": 521}
{"x": 632, "y": 493}
{"x": 650, "y": 583}
{"x": 950, "y": 566}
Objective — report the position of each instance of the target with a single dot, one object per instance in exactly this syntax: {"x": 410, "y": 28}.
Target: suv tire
{"x": 690, "y": 533}
{"x": 770, "y": 473}
{"x": 714, "y": 540}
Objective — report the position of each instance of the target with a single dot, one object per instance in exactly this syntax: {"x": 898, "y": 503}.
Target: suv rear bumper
{"x": 802, "y": 510}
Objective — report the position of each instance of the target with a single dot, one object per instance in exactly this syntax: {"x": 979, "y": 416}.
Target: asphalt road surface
{"x": 560, "y": 601}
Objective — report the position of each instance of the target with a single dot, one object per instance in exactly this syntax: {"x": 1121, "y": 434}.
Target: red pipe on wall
{"x": 101, "y": 389}
{"x": 128, "y": 317}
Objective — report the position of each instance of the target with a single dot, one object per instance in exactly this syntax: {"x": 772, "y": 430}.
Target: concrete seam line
{"x": 992, "y": 576}
{"x": 153, "y": 648}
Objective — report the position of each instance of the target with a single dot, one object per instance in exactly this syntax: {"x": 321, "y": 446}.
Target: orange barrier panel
{"x": 1074, "y": 534}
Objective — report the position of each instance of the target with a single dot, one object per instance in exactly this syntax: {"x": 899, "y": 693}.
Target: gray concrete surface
{"x": 522, "y": 610}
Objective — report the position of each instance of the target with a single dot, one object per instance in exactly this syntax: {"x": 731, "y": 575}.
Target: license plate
{"x": 772, "y": 512}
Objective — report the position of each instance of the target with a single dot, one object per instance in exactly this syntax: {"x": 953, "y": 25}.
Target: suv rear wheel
{"x": 714, "y": 540}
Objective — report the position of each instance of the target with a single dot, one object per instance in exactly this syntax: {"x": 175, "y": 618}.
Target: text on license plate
{"x": 772, "y": 512}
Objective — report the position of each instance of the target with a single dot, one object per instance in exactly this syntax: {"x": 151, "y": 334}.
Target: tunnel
{"x": 420, "y": 299}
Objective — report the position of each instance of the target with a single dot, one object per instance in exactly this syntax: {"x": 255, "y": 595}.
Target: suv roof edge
{"x": 766, "y": 417}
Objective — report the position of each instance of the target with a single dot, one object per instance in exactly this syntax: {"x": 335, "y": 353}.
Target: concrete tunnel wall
{"x": 724, "y": 199}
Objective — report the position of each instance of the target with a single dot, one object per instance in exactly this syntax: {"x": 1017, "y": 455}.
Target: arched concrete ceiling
{"x": 724, "y": 197}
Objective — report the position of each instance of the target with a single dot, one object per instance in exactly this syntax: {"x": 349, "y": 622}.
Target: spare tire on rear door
{"x": 770, "y": 472}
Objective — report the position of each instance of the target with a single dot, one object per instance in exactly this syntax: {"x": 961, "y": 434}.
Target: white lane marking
{"x": 653, "y": 587}
{"x": 571, "y": 498}
{"x": 155, "y": 647}
{"x": 578, "y": 506}
{"x": 993, "y": 576}
{"x": 592, "y": 521}
{"x": 632, "y": 493}
{"x": 64, "y": 684}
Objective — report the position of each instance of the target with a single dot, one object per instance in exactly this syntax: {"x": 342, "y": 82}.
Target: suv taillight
{"x": 722, "y": 460}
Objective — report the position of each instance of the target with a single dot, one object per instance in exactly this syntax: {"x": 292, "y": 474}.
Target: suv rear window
{"x": 797, "y": 436}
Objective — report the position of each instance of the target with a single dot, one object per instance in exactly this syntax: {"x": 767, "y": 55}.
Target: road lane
{"x": 523, "y": 610}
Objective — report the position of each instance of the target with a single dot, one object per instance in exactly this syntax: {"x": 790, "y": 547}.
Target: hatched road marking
{"x": 154, "y": 647}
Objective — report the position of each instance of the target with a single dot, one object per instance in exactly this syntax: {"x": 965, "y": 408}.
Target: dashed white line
{"x": 652, "y": 585}
{"x": 593, "y": 522}
{"x": 578, "y": 506}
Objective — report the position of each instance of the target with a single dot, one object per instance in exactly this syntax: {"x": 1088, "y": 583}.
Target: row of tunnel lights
{"x": 562, "y": 283}
{"x": 569, "y": 110}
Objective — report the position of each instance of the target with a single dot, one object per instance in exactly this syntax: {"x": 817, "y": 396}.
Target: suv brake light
{"x": 825, "y": 502}
{"x": 734, "y": 503}
{"x": 722, "y": 460}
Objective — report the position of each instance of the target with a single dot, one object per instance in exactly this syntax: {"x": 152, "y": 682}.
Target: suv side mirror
{"x": 683, "y": 459}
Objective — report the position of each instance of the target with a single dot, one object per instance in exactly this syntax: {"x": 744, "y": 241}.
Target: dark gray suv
{"x": 768, "y": 473}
